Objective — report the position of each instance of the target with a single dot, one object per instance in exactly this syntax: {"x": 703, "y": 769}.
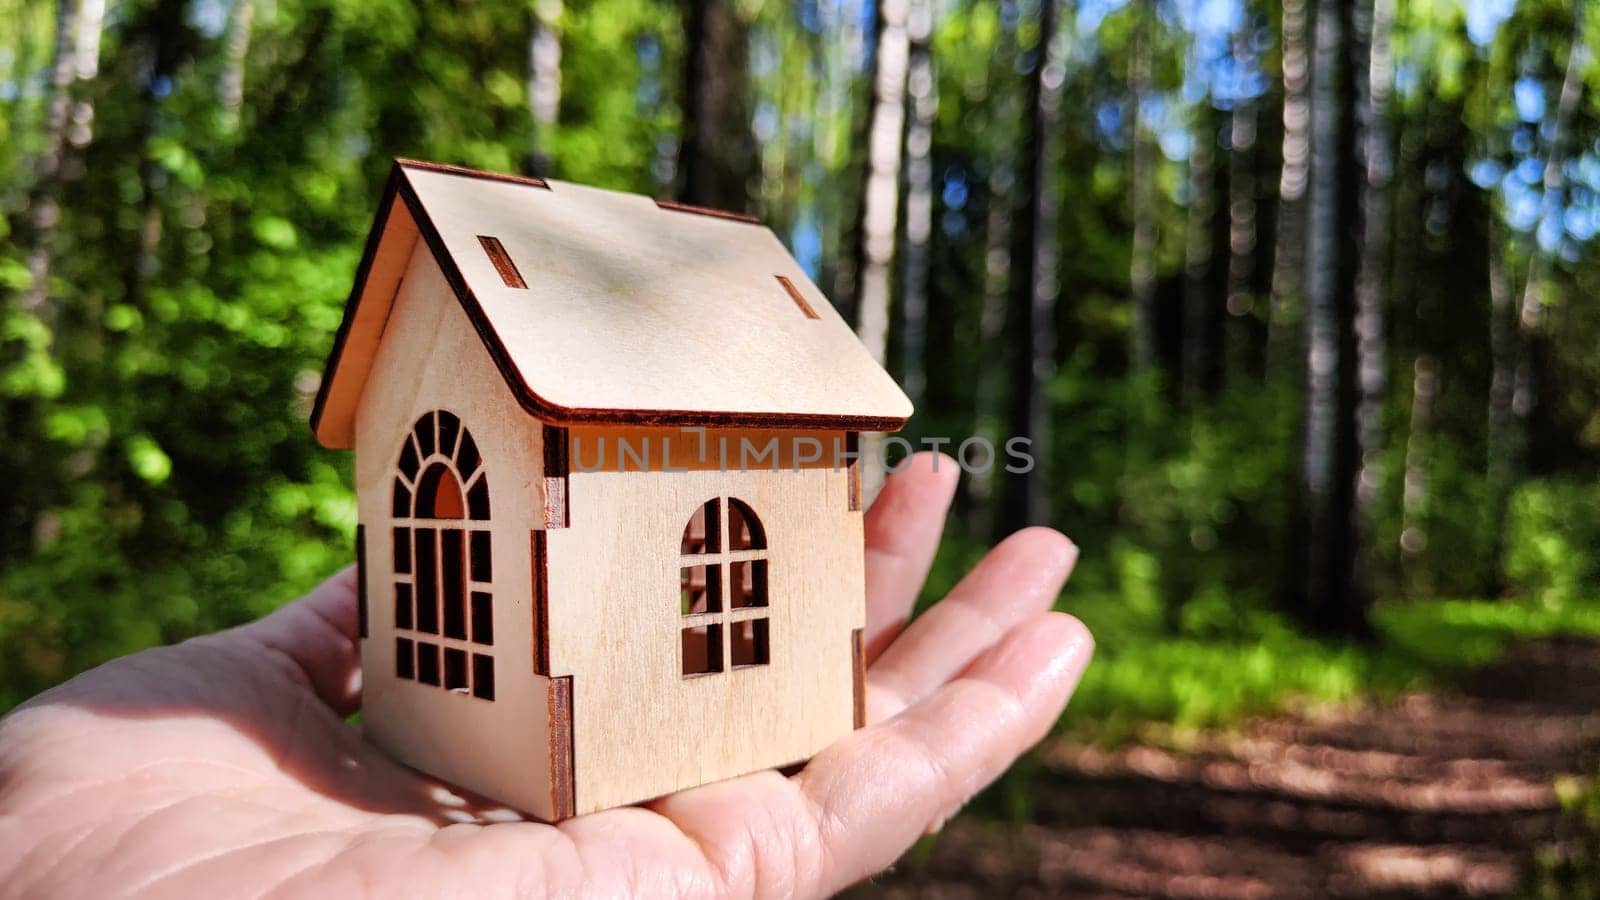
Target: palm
{"x": 225, "y": 765}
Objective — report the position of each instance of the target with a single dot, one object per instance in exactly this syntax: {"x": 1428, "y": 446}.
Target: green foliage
{"x": 161, "y": 480}
{"x": 1553, "y": 542}
{"x": 1226, "y": 664}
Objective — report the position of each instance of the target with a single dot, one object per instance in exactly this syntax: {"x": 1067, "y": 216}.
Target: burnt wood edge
{"x": 561, "y": 759}
{"x": 852, "y": 443}
{"x": 363, "y": 270}
{"x": 675, "y": 206}
{"x": 858, "y": 673}
{"x": 556, "y": 470}
{"x": 529, "y": 400}
{"x": 540, "y": 559}
{"x": 446, "y": 168}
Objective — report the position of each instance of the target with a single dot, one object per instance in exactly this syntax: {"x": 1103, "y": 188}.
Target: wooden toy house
{"x": 611, "y": 533}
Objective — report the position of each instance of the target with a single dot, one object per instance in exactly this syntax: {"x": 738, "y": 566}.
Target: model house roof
{"x": 604, "y": 307}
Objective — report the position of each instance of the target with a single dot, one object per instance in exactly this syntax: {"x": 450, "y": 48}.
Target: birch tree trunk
{"x": 238, "y": 53}
{"x": 544, "y": 82}
{"x": 923, "y": 95}
{"x": 1288, "y": 265}
{"x": 44, "y": 202}
{"x": 1372, "y": 275}
{"x": 880, "y": 208}
{"x": 1241, "y": 227}
{"x": 1531, "y": 307}
{"x": 880, "y": 205}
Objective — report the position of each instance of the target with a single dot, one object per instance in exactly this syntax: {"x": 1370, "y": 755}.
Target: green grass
{"x": 1144, "y": 675}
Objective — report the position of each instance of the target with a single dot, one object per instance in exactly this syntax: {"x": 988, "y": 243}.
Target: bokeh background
{"x": 1298, "y": 304}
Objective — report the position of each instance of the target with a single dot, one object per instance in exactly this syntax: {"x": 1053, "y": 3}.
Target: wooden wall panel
{"x": 641, "y": 728}
{"x": 430, "y": 358}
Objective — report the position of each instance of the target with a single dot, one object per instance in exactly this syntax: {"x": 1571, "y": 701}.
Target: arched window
{"x": 443, "y": 600}
{"x": 723, "y": 558}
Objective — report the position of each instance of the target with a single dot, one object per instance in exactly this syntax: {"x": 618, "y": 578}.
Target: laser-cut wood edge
{"x": 675, "y": 206}
{"x": 562, "y": 804}
{"x": 339, "y": 434}
{"x": 504, "y": 266}
{"x": 465, "y": 172}
{"x": 858, "y": 687}
{"x": 362, "y": 613}
{"x": 541, "y": 602}
{"x": 794, "y": 294}
{"x": 557, "y": 507}
{"x": 852, "y": 445}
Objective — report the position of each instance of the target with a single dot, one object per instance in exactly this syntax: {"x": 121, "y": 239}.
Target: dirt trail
{"x": 1436, "y": 795}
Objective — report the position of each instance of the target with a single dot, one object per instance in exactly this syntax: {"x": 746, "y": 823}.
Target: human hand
{"x": 223, "y": 766}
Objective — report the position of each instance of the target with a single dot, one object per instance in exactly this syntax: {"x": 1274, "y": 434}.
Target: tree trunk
{"x": 1288, "y": 257}
{"x": 880, "y": 208}
{"x": 1333, "y": 600}
{"x": 1414, "y": 496}
{"x": 44, "y": 204}
{"x": 1037, "y": 286}
{"x": 1197, "y": 255}
{"x": 880, "y": 203}
{"x": 718, "y": 156}
{"x": 238, "y": 53}
{"x": 1372, "y": 279}
{"x": 1531, "y": 307}
{"x": 842, "y": 130}
{"x": 1504, "y": 434}
{"x": 1142, "y": 264}
{"x": 1005, "y": 113}
{"x": 923, "y": 95}
{"x": 1241, "y": 227}
{"x": 544, "y": 82}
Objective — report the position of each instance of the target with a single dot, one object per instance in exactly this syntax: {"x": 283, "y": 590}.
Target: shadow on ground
{"x": 1434, "y": 795}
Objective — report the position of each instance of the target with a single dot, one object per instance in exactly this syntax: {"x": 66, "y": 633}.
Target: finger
{"x": 1016, "y": 580}
{"x": 317, "y": 633}
{"x": 902, "y": 533}
{"x": 883, "y": 787}
{"x": 860, "y": 803}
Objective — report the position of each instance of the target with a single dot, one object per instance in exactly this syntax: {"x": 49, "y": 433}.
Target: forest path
{"x": 1434, "y": 795}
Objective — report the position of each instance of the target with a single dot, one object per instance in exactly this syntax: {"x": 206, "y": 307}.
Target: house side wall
{"x": 640, "y": 727}
{"x": 430, "y": 358}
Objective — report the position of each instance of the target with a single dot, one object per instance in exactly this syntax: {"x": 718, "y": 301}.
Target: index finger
{"x": 902, "y": 533}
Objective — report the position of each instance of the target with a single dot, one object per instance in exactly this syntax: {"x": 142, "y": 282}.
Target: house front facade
{"x": 611, "y": 534}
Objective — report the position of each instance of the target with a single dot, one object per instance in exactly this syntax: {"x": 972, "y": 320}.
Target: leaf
{"x": 148, "y": 460}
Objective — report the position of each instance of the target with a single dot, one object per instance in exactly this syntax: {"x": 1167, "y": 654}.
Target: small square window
{"x": 700, "y": 589}
{"x": 483, "y": 676}
{"x": 481, "y": 557}
{"x": 702, "y": 649}
{"x": 482, "y": 618}
{"x": 403, "y": 605}
{"x": 402, "y": 551}
{"x": 428, "y": 663}
{"x": 455, "y": 669}
{"x": 405, "y": 658}
{"x": 750, "y": 646}
{"x": 747, "y": 584}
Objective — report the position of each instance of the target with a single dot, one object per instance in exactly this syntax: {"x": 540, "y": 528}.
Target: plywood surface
{"x": 640, "y": 727}
{"x": 430, "y": 359}
{"x": 636, "y": 313}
